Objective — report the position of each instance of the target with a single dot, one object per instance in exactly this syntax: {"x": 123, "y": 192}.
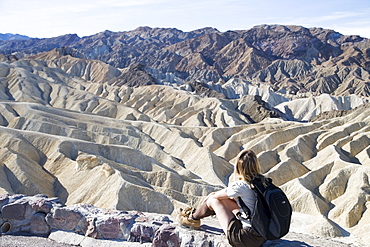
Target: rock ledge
{"x": 87, "y": 225}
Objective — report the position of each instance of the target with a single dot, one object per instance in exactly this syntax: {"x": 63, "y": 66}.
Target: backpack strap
{"x": 244, "y": 207}
{"x": 260, "y": 183}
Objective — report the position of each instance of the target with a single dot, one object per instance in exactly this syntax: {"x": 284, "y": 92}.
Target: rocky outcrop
{"x": 43, "y": 216}
{"x": 8, "y": 58}
{"x": 203, "y": 90}
{"x": 257, "y": 109}
{"x": 86, "y": 225}
{"x": 307, "y": 109}
{"x": 134, "y": 76}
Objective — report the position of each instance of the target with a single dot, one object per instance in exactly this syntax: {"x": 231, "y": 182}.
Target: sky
{"x": 52, "y": 18}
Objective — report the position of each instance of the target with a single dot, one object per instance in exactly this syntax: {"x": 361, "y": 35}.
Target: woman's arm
{"x": 220, "y": 195}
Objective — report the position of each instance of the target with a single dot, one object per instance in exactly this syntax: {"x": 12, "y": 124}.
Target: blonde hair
{"x": 247, "y": 166}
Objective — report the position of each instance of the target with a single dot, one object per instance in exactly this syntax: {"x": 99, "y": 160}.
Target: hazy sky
{"x": 51, "y": 18}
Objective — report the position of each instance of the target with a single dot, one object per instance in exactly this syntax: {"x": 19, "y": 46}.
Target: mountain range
{"x": 292, "y": 60}
{"x": 152, "y": 119}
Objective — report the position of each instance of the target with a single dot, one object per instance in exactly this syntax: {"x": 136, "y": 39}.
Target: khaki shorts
{"x": 240, "y": 237}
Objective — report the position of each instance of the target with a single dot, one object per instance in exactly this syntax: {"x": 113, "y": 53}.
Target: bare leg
{"x": 224, "y": 210}
{"x": 202, "y": 211}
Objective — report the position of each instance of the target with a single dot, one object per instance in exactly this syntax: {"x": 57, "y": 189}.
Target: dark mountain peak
{"x": 134, "y": 76}
{"x": 174, "y": 34}
{"x": 10, "y": 36}
{"x": 146, "y": 29}
{"x": 276, "y": 31}
{"x": 275, "y": 27}
{"x": 325, "y": 34}
{"x": 106, "y": 33}
{"x": 143, "y": 29}
{"x": 64, "y": 40}
{"x": 279, "y": 30}
{"x": 206, "y": 30}
{"x": 351, "y": 39}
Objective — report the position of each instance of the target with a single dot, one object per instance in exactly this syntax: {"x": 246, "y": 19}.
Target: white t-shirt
{"x": 242, "y": 189}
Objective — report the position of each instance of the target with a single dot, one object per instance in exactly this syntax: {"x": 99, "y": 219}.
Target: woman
{"x": 222, "y": 204}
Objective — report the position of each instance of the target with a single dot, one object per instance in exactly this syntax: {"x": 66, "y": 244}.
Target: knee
{"x": 212, "y": 202}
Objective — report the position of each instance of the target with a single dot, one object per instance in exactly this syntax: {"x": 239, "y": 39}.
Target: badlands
{"x": 73, "y": 128}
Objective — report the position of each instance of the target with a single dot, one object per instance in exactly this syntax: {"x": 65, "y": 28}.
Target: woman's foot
{"x": 184, "y": 218}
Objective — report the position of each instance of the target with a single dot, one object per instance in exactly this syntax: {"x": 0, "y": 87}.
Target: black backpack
{"x": 272, "y": 210}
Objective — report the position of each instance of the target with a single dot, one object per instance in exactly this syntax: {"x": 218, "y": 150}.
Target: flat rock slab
{"x": 28, "y": 241}
{"x": 71, "y": 238}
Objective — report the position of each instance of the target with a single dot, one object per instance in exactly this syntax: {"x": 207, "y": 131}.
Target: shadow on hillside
{"x": 284, "y": 242}
{"x": 14, "y": 183}
{"x": 211, "y": 229}
{"x": 60, "y": 191}
{"x": 275, "y": 243}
